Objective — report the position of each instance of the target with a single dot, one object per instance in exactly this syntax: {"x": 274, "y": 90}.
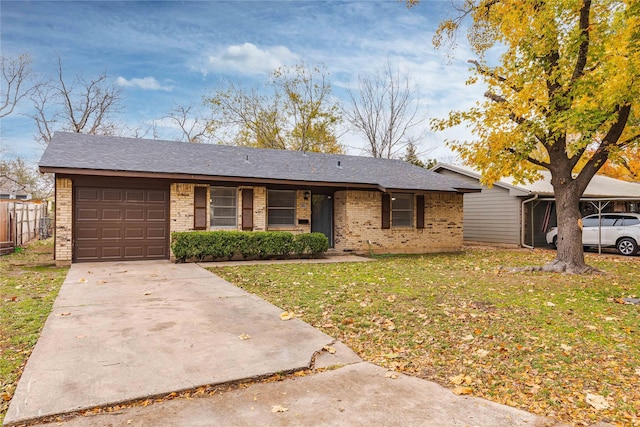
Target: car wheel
{"x": 555, "y": 242}
{"x": 627, "y": 246}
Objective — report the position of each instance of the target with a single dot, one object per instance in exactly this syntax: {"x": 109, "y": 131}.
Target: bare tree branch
{"x": 385, "y": 110}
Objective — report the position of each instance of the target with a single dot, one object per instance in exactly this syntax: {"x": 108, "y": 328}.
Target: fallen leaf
{"x": 461, "y": 391}
{"x": 329, "y": 349}
{"x": 244, "y": 337}
{"x": 147, "y": 293}
{"x": 82, "y": 280}
{"x": 286, "y": 315}
{"x": 609, "y": 319}
{"x": 482, "y": 352}
{"x": 460, "y": 379}
{"x": 278, "y": 408}
{"x": 598, "y": 402}
{"x": 549, "y": 304}
{"x": 101, "y": 282}
{"x": 64, "y": 314}
{"x": 391, "y": 298}
{"x": 391, "y": 374}
{"x": 468, "y": 338}
{"x": 637, "y": 371}
{"x": 566, "y": 347}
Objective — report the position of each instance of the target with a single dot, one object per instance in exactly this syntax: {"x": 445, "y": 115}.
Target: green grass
{"x": 536, "y": 341}
{"x": 29, "y": 283}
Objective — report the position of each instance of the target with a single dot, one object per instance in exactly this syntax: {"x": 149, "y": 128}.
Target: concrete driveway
{"x": 120, "y": 332}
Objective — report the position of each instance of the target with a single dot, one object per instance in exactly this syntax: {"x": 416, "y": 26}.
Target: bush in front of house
{"x": 224, "y": 245}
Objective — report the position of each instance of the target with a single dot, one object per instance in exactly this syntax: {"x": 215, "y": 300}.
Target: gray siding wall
{"x": 491, "y": 216}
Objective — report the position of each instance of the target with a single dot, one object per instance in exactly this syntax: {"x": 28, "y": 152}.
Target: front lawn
{"x": 553, "y": 344}
{"x": 29, "y": 283}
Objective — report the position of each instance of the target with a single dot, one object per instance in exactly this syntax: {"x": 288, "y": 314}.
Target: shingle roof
{"x": 72, "y": 152}
{"x": 600, "y": 186}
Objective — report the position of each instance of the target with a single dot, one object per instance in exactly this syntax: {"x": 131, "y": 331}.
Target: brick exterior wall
{"x": 64, "y": 221}
{"x": 358, "y": 219}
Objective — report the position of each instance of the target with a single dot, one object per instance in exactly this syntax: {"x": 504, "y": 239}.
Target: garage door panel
{"x": 119, "y": 224}
{"x": 111, "y": 214}
{"x": 111, "y": 252}
{"x": 111, "y": 233}
{"x": 155, "y": 251}
{"x": 134, "y": 233}
{"x": 111, "y": 195}
{"x": 87, "y": 233}
{"x": 90, "y": 214}
{"x": 87, "y": 194}
{"x": 134, "y": 195}
{"x": 157, "y": 196}
{"x": 154, "y": 214}
{"x": 134, "y": 214}
{"x": 132, "y": 251}
{"x": 156, "y": 233}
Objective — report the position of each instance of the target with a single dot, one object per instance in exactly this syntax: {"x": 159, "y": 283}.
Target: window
{"x": 402, "y": 210}
{"x": 630, "y": 220}
{"x": 224, "y": 202}
{"x": 281, "y": 208}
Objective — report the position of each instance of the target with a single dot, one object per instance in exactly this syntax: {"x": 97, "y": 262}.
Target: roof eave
{"x": 212, "y": 178}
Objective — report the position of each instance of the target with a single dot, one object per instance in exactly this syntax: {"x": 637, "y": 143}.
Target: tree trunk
{"x": 570, "y": 255}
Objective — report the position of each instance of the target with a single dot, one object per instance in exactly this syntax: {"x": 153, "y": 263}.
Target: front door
{"x": 322, "y": 215}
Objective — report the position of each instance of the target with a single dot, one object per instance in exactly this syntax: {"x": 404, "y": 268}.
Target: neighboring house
{"x": 521, "y": 214}
{"x": 120, "y": 198}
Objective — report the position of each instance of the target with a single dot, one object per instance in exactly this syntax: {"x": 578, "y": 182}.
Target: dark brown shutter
{"x": 386, "y": 210}
{"x": 247, "y": 209}
{"x": 200, "y": 208}
{"x": 420, "y": 211}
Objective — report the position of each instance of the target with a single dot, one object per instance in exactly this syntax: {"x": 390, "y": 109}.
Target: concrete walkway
{"x": 120, "y": 332}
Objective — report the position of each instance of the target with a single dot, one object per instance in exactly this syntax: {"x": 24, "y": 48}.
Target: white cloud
{"x": 147, "y": 83}
{"x": 248, "y": 59}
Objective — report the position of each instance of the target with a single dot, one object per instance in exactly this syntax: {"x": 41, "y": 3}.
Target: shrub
{"x": 314, "y": 244}
{"x": 261, "y": 244}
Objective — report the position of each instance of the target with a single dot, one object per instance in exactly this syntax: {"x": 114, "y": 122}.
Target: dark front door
{"x": 322, "y": 215}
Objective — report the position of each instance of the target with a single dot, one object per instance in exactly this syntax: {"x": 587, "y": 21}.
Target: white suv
{"x": 619, "y": 230}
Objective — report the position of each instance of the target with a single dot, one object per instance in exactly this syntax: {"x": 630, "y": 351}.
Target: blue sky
{"x": 175, "y": 52}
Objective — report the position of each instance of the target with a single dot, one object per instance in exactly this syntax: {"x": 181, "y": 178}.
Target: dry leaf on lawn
{"x": 278, "y": 408}
{"x": 598, "y": 402}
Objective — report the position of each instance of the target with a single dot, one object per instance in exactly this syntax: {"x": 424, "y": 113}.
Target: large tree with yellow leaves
{"x": 564, "y": 92}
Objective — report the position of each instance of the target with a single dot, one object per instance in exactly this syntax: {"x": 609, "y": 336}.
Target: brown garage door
{"x": 120, "y": 224}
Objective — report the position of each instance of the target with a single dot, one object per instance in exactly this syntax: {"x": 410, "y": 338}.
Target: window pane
{"x": 402, "y": 210}
{"x": 282, "y": 199}
{"x": 590, "y": 222}
{"x": 402, "y": 201}
{"x": 631, "y": 221}
{"x": 281, "y": 207}
{"x": 223, "y": 207}
{"x": 402, "y": 218}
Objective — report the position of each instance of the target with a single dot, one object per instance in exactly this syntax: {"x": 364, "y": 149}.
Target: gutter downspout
{"x": 522, "y": 222}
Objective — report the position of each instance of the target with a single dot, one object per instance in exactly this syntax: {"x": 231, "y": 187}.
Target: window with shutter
{"x": 224, "y": 202}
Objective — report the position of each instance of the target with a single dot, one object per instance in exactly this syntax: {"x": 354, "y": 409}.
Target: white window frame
{"x": 213, "y": 208}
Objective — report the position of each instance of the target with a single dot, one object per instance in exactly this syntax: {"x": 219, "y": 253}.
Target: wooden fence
{"x": 21, "y": 222}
